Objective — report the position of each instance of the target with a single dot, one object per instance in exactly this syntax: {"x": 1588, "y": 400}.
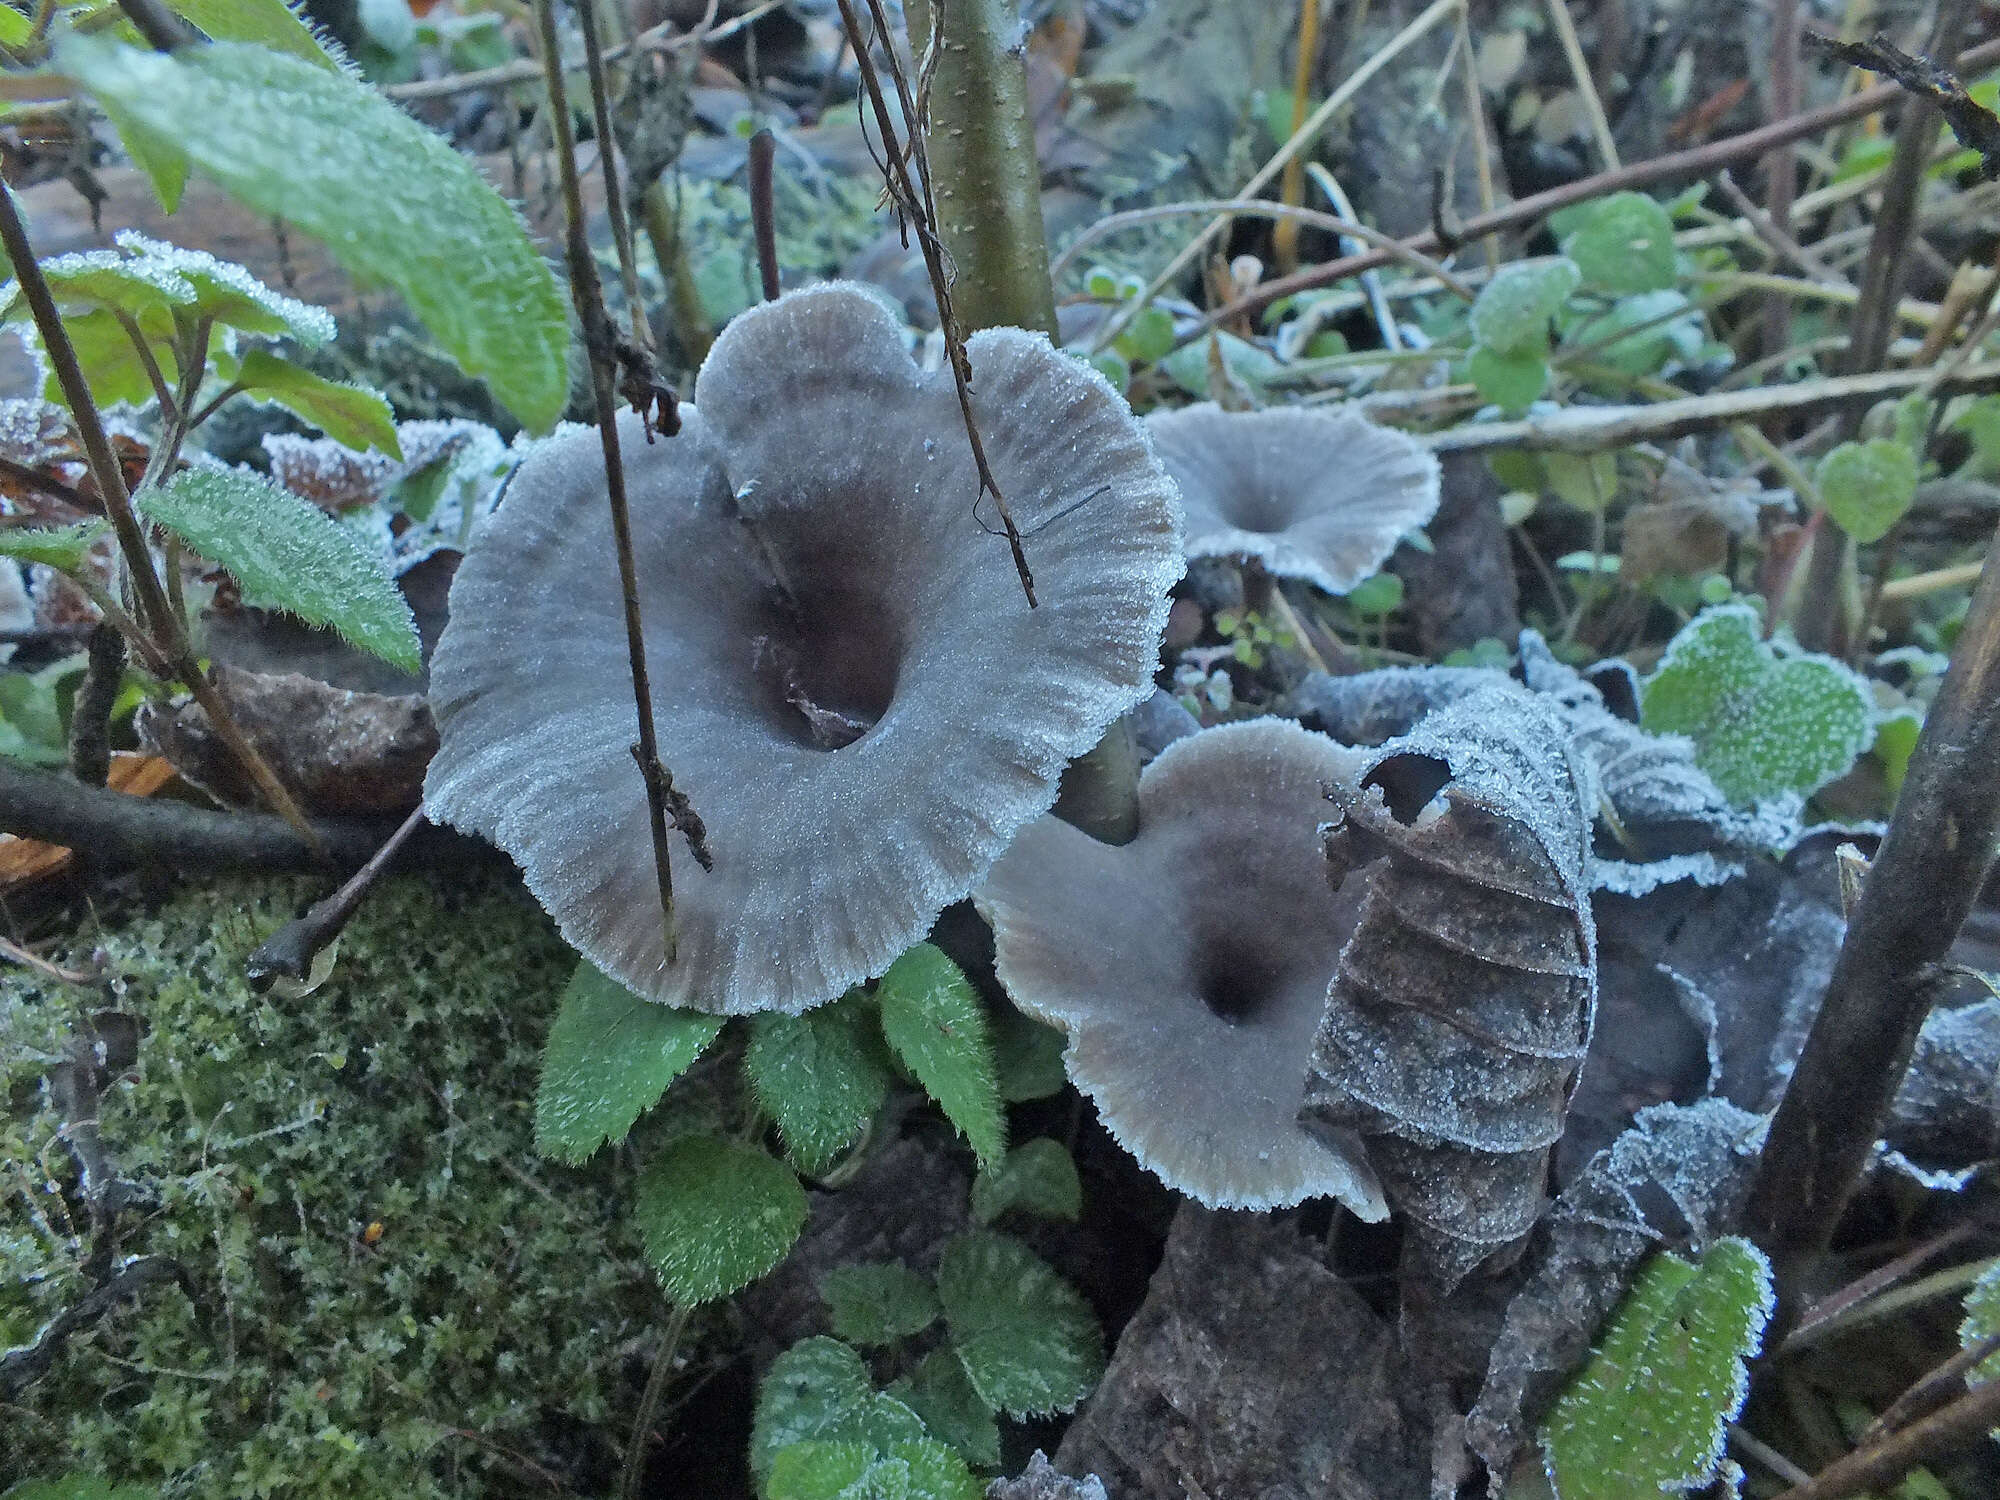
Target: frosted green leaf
{"x": 1029, "y": 1342}
{"x": 1895, "y": 737}
{"x": 942, "y": 1395}
{"x": 1149, "y": 336}
{"x": 284, "y": 136}
{"x": 1037, "y": 1177}
{"x": 91, "y": 279}
{"x": 1587, "y": 481}
{"x": 936, "y": 1472}
{"x": 271, "y": 22}
{"x": 61, "y": 547}
{"x": 819, "y": 1470}
{"x": 1624, "y": 244}
{"x": 351, "y": 415}
{"x": 1513, "y": 310}
{"x": 1649, "y": 1412}
{"x": 1028, "y": 1057}
{"x": 288, "y": 554}
{"x": 878, "y": 1303}
{"x": 1982, "y": 1321}
{"x": 1657, "y": 322}
{"x": 609, "y": 1058}
{"x": 1762, "y": 724}
{"x": 1867, "y": 486}
{"x": 821, "y": 1076}
{"x": 819, "y": 1390}
{"x": 1380, "y": 595}
{"x": 228, "y": 293}
{"x": 1189, "y": 366}
{"x": 1510, "y": 381}
{"x": 715, "y": 1215}
{"x": 923, "y": 1469}
{"x": 933, "y": 1019}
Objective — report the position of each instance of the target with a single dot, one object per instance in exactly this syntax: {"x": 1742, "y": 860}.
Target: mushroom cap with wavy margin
{"x": 847, "y": 680}
{"x": 1310, "y": 493}
{"x": 1190, "y": 967}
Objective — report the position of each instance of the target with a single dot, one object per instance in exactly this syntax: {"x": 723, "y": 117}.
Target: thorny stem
{"x": 156, "y": 612}
{"x": 1697, "y": 161}
{"x": 649, "y": 1403}
{"x": 1922, "y": 884}
{"x": 599, "y": 343}
{"x": 917, "y": 212}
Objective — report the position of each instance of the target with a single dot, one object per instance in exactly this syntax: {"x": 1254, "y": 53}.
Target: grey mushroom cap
{"x": 1190, "y": 967}
{"x": 848, "y": 683}
{"x": 1310, "y": 492}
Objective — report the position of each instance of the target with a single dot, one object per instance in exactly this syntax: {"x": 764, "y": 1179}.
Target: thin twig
{"x": 1932, "y": 1390}
{"x": 1879, "y": 1466}
{"x": 1919, "y": 584}
{"x": 607, "y": 166}
{"x": 1586, "y": 87}
{"x": 600, "y": 344}
{"x": 763, "y": 210}
{"x": 649, "y": 1403}
{"x": 34, "y": 960}
{"x": 1773, "y": 235}
{"x": 90, "y": 710}
{"x": 290, "y": 951}
{"x": 48, "y": 484}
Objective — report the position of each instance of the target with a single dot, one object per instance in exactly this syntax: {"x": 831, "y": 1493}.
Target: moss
{"x": 504, "y": 1296}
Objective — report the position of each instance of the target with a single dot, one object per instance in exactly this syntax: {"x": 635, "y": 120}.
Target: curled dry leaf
{"x": 1462, "y": 1006}
{"x": 847, "y": 683}
{"x": 1309, "y": 492}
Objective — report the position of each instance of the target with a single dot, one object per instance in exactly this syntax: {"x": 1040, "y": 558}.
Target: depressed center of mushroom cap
{"x": 1190, "y": 967}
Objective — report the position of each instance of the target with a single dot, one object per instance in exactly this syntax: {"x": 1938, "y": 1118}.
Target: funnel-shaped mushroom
{"x": 1190, "y": 966}
{"x": 1309, "y": 493}
{"x": 848, "y": 682}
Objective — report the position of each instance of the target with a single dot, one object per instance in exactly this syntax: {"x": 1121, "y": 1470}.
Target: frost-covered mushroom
{"x": 1190, "y": 967}
{"x": 847, "y": 680}
{"x": 1308, "y": 492}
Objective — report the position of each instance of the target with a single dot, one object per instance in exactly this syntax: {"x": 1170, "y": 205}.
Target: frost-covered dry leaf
{"x": 1462, "y": 1005}
{"x": 847, "y": 681}
{"x": 1212, "y": 935}
{"x": 1310, "y": 492}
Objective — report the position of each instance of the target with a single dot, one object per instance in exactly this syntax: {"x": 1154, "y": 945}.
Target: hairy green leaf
{"x": 717, "y": 1214}
{"x": 923, "y": 1469}
{"x": 1037, "y": 1177}
{"x": 349, "y": 414}
{"x": 288, "y": 554}
{"x": 1513, "y": 310}
{"x": 1649, "y": 1412}
{"x": 932, "y": 1017}
{"x": 820, "y": 1470}
{"x": 1029, "y": 1342}
{"x": 63, "y": 548}
{"x": 88, "y": 280}
{"x": 821, "y": 1076}
{"x": 610, "y": 1056}
{"x": 819, "y": 1390}
{"x": 1512, "y": 382}
{"x": 1762, "y": 724}
{"x": 284, "y": 135}
{"x": 1867, "y": 486}
{"x": 878, "y": 1303}
{"x": 1028, "y": 1057}
{"x": 941, "y": 1393}
{"x": 272, "y": 23}
{"x": 1624, "y": 244}
{"x": 79, "y": 1487}
{"x": 229, "y": 294}
{"x": 1982, "y": 1316}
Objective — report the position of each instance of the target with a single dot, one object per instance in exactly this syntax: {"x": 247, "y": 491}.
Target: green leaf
{"x": 942, "y": 1395}
{"x": 1867, "y": 486}
{"x": 1649, "y": 1412}
{"x": 1895, "y": 737}
{"x": 31, "y": 713}
{"x": 1188, "y": 366}
{"x": 717, "y": 1214}
{"x": 270, "y": 22}
{"x": 285, "y": 136}
{"x": 1982, "y": 1321}
{"x": 1659, "y": 324}
{"x": 79, "y": 1487}
{"x": 92, "y": 279}
{"x": 1380, "y": 595}
{"x": 878, "y": 1303}
{"x": 819, "y": 1470}
{"x": 1029, "y": 1342}
{"x": 1624, "y": 245}
{"x": 110, "y": 362}
{"x": 1037, "y": 1177}
{"x": 1513, "y": 310}
{"x": 936, "y": 1472}
{"x": 819, "y": 1390}
{"x": 229, "y": 294}
{"x": 1028, "y": 1057}
{"x": 923, "y": 1469}
{"x": 610, "y": 1056}
{"x": 288, "y": 554}
{"x": 349, "y": 414}
{"x": 933, "y": 1019}
{"x": 1587, "y": 481}
{"x": 1148, "y": 337}
{"x": 63, "y": 548}
{"x": 1762, "y": 724}
{"x": 821, "y": 1076}
{"x": 1512, "y": 382}
{"x": 15, "y": 27}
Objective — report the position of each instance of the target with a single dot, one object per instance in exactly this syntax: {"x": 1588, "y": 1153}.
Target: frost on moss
{"x": 325, "y": 1357}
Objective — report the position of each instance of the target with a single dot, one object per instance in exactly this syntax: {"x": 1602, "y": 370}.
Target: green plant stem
{"x": 985, "y": 177}
{"x": 649, "y": 1403}
{"x": 1891, "y": 968}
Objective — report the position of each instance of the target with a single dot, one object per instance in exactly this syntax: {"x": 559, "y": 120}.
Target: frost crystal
{"x": 847, "y": 681}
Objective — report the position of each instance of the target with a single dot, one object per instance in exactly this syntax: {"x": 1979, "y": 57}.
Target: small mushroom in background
{"x": 1307, "y": 492}
{"x": 1190, "y": 966}
{"x": 1463, "y": 1003}
{"x": 848, "y": 682}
